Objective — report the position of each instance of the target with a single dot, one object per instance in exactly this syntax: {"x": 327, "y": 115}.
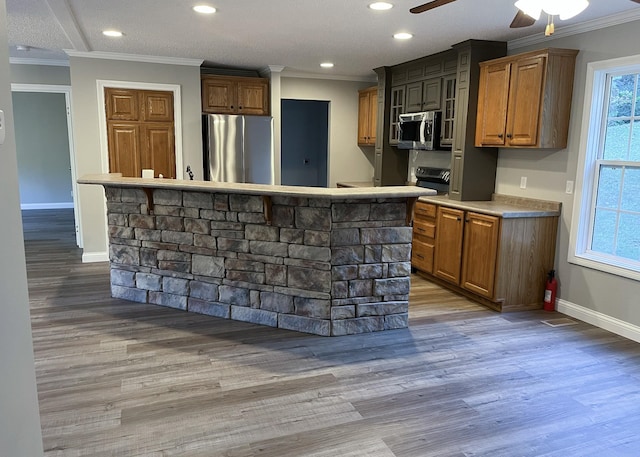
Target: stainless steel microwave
{"x": 420, "y": 130}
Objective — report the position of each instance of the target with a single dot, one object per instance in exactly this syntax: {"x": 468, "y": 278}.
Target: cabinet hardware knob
{"x": 458, "y": 218}
{"x": 509, "y": 135}
{"x": 419, "y": 256}
{"x": 500, "y": 135}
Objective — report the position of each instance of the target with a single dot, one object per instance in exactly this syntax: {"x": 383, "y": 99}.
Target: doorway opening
{"x": 305, "y": 143}
{"x": 44, "y": 145}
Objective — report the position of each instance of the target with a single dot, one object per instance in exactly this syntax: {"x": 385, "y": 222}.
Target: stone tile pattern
{"x": 327, "y": 267}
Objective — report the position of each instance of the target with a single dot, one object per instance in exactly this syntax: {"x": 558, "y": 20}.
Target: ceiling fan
{"x": 520, "y": 20}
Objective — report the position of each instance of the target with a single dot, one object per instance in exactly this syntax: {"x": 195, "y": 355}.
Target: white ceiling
{"x": 253, "y": 34}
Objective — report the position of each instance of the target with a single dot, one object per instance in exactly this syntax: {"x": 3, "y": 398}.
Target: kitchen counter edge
{"x": 505, "y": 206}
{"x": 116, "y": 180}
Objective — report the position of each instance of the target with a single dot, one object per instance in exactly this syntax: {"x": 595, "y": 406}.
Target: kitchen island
{"x": 324, "y": 261}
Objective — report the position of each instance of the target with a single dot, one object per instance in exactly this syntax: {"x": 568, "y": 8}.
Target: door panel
{"x": 158, "y": 152}
{"x": 218, "y": 96}
{"x": 252, "y": 98}
{"x": 524, "y": 102}
{"x": 124, "y": 148}
{"x": 480, "y": 253}
{"x": 122, "y": 104}
{"x": 157, "y": 106}
{"x": 448, "y": 252}
{"x": 492, "y": 105}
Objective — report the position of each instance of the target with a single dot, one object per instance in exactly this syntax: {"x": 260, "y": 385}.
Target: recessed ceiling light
{"x": 204, "y": 9}
{"x": 402, "y": 36}
{"x": 381, "y": 6}
{"x": 326, "y": 65}
{"x": 112, "y": 33}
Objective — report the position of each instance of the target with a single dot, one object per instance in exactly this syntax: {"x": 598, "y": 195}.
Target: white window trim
{"x": 594, "y": 98}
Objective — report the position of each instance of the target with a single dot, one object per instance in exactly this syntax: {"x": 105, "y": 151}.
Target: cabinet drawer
{"x": 423, "y": 209}
{"x": 422, "y": 256}
{"x": 424, "y": 228}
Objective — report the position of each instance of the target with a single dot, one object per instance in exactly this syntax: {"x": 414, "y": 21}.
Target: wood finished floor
{"x": 123, "y": 379}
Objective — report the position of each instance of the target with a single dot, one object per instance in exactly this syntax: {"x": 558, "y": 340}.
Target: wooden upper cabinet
{"x": 157, "y": 106}
{"x": 235, "y": 95}
{"x": 524, "y": 101}
{"x": 367, "y": 116}
{"x": 122, "y": 104}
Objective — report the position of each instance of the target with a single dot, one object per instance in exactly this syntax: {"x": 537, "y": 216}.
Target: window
{"x": 607, "y": 210}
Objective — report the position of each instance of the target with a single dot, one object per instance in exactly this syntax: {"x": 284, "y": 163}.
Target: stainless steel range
{"x": 434, "y": 178}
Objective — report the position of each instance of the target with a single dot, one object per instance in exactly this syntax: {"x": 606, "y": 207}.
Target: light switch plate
{"x": 523, "y": 182}
{"x": 569, "y": 188}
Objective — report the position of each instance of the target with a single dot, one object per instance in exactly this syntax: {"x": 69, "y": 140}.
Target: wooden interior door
{"x": 140, "y": 132}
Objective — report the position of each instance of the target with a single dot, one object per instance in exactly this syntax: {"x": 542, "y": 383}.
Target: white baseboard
{"x": 612, "y": 324}
{"x": 90, "y": 257}
{"x": 61, "y": 205}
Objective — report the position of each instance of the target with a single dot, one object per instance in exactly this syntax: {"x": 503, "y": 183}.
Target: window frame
{"x": 593, "y": 127}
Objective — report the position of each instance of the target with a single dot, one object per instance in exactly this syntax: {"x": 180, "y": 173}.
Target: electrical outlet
{"x": 569, "y": 188}
{"x": 523, "y": 182}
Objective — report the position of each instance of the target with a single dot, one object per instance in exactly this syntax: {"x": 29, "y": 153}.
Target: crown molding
{"x": 569, "y": 30}
{"x": 298, "y": 74}
{"x": 135, "y": 58}
{"x": 29, "y": 61}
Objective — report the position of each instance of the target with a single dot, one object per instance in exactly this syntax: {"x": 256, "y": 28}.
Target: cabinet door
{"x": 157, "y": 106}
{"x": 493, "y": 99}
{"x": 525, "y": 101}
{"x": 448, "y": 110}
{"x": 367, "y": 116}
{"x": 414, "y": 97}
{"x": 218, "y": 96}
{"x": 432, "y": 94}
{"x": 396, "y": 108}
{"x": 124, "y": 148}
{"x": 158, "y": 149}
{"x": 480, "y": 253}
{"x": 253, "y": 97}
{"x": 448, "y": 252}
{"x": 122, "y": 104}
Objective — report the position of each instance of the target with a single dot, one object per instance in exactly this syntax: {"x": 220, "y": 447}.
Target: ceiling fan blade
{"x": 431, "y": 5}
{"x": 637, "y": 1}
{"x": 523, "y": 20}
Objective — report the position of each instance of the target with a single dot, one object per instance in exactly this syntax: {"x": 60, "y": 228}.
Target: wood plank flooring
{"x": 124, "y": 379}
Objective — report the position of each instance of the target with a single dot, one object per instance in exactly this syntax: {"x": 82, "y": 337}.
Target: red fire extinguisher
{"x": 550, "y": 290}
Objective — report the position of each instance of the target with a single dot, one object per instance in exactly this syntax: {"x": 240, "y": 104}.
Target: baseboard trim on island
{"x": 603, "y": 321}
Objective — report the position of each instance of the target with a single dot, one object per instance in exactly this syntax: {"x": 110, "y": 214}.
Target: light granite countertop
{"x": 505, "y": 206}
{"x": 116, "y": 180}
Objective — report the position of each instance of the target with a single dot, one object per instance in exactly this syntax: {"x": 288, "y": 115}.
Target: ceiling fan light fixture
{"x": 532, "y": 8}
{"x": 571, "y": 8}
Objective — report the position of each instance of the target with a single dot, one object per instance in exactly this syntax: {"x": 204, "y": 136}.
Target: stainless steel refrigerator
{"x": 238, "y": 148}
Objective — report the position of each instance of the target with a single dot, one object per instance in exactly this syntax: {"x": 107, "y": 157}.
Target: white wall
{"x": 548, "y": 171}
{"x": 347, "y": 161}
{"x": 42, "y": 142}
{"x": 19, "y": 417}
{"x": 85, "y": 72}
{"x": 40, "y": 74}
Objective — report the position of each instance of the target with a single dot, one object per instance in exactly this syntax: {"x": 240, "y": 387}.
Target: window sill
{"x": 606, "y": 264}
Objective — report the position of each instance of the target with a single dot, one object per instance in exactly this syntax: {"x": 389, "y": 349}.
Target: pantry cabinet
{"x": 235, "y": 95}
{"x": 367, "y": 116}
{"x": 499, "y": 261}
{"x": 524, "y": 101}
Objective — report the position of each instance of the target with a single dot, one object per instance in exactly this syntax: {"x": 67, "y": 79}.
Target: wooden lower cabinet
{"x": 499, "y": 262}
{"x": 424, "y": 234}
{"x": 448, "y": 254}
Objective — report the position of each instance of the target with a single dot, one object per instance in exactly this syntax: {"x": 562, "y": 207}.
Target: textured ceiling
{"x": 252, "y": 34}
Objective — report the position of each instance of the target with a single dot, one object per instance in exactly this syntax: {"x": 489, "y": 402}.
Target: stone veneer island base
{"x": 323, "y": 261}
